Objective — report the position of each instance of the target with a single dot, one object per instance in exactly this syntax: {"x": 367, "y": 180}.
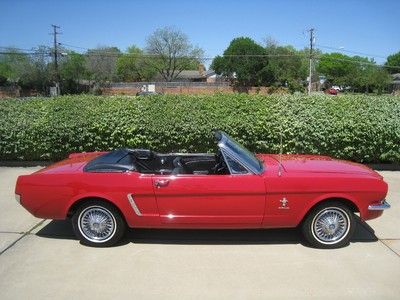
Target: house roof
{"x": 210, "y": 73}
{"x": 190, "y": 74}
{"x": 396, "y": 78}
{"x": 185, "y": 75}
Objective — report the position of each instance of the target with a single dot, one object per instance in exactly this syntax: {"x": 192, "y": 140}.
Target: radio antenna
{"x": 280, "y": 147}
{"x": 280, "y": 154}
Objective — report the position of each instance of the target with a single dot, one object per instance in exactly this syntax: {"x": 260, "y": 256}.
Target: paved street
{"x": 41, "y": 259}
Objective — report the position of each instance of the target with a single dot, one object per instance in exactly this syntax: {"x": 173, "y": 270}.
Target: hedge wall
{"x": 359, "y": 128}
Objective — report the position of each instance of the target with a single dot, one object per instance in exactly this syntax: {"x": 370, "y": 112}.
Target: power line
{"x": 372, "y": 64}
{"x": 26, "y": 54}
{"x": 110, "y": 54}
{"x": 293, "y": 55}
{"x": 113, "y": 54}
{"x": 72, "y": 46}
{"x": 303, "y": 56}
{"x": 352, "y": 52}
{"x": 32, "y": 51}
{"x": 18, "y": 49}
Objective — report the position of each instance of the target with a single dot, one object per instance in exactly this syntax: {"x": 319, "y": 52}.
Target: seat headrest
{"x": 143, "y": 154}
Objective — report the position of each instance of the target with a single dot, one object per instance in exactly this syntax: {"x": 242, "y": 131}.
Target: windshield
{"x": 244, "y": 155}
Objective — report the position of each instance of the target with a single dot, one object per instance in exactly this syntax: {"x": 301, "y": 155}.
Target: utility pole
{"x": 57, "y": 75}
{"x": 311, "y": 59}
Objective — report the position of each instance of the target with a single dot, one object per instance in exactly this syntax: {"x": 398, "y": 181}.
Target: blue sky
{"x": 367, "y": 26}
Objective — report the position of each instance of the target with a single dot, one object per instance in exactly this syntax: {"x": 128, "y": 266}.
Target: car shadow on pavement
{"x": 63, "y": 230}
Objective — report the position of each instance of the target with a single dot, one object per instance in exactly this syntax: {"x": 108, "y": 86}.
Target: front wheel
{"x": 329, "y": 225}
{"x": 98, "y": 224}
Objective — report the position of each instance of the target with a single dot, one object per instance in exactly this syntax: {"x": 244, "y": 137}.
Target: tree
{"x": 285, "y": 64}
{"x": 13, "y": 64}
{"x": 337, "y": 67}
{"x": 381, "y": 79}
{"x": 73, "y": 66}
{"x": 370, "y": 77}
{"x": 244, "y": 60}
{"x": 40, "y": 72}
{"x": 393, "y": 61}
{"x": 102, "y": 64}
{"x": 5, "y": 69}
{"x": 72, "y": 70}
{"x": 359, "y": 73}
{"x": 132, "y": 66}
{"x": 171, "y": 52}
{"x": 30, "y": 71}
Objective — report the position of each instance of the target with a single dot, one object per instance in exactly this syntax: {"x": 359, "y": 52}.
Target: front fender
{"x": 330, "y": 196}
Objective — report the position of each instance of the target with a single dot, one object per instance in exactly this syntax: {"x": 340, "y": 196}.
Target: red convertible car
{"x": 104, "y": 192}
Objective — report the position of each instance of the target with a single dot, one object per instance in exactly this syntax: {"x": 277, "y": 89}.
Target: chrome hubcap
{"x": 330, "y": 225}
{"x": 97, "y": 224}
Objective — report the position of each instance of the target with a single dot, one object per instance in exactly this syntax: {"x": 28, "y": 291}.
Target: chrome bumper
{"x": 384, "y": 205}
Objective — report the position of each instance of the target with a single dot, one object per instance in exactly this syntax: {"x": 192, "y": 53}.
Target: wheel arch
{"x": 345, "y": 200}
{"x": 78, "y": 202}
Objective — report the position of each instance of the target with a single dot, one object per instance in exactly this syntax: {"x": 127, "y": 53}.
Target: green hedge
{"x": 359, "y": 128}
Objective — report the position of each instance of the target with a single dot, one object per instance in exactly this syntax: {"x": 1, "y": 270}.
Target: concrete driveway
{"x": 41, "y": 259}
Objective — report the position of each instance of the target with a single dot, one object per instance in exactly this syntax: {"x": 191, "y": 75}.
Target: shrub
{"x": 359, "y": 128}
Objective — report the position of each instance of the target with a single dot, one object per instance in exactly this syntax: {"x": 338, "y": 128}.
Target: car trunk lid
{"x": 73, "y": 163}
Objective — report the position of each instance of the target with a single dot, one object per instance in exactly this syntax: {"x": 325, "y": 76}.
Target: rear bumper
{"x": 380, "y": 206}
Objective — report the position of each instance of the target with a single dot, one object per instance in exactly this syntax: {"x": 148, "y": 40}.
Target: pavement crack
{"x": 24, "y": 234}
{"x": 382, "y": 241}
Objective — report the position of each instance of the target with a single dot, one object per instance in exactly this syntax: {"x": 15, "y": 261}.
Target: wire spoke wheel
{"x": 330, "y": 225}
{"x": 97, "y": 224}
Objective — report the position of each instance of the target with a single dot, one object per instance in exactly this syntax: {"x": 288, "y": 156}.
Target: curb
{"x": 24, "y": 164}
{"x": 384, "y": 167}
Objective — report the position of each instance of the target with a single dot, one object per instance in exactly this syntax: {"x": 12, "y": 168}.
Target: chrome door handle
{"x": 161, "y": 183}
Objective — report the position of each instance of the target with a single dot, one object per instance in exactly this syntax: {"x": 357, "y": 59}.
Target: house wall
{"x": 173, "y": 89}
{"x": 187, "y": 89}
{"x": 9, "y": 92}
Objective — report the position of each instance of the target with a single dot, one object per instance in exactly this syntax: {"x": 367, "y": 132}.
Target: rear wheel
{"x": 329, "y": 225}
{"x": 98, "y": 224}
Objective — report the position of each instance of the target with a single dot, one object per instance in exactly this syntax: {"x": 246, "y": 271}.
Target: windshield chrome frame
{"x": 225, "y": 149}
{"x": 231, "y": 172}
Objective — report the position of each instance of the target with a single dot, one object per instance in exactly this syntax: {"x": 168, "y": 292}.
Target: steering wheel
{"x": 178, "y": 163}
{"x": 220, "y": 166}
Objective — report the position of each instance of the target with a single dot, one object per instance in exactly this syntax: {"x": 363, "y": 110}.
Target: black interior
{"x": 146, "y": 161}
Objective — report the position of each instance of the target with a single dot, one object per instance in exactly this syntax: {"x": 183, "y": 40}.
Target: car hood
{"x": 321, "y": 164}
{"x": 73, "y": 163}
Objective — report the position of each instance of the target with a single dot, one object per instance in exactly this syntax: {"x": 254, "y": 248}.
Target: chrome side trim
{"x": 382, "y": 206}
{"x": 133, "y": 204}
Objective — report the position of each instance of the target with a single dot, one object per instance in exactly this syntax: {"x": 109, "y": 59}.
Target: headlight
{"x": 18, "y": 198}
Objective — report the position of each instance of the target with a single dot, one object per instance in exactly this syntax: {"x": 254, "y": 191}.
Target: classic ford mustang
{"x": 104, "y": 192}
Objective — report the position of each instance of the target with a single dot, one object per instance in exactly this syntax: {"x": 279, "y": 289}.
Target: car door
{"x": 210, "y": 201}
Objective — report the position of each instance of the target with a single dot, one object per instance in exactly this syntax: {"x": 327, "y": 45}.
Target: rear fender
{"x": 102, "y": 196}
